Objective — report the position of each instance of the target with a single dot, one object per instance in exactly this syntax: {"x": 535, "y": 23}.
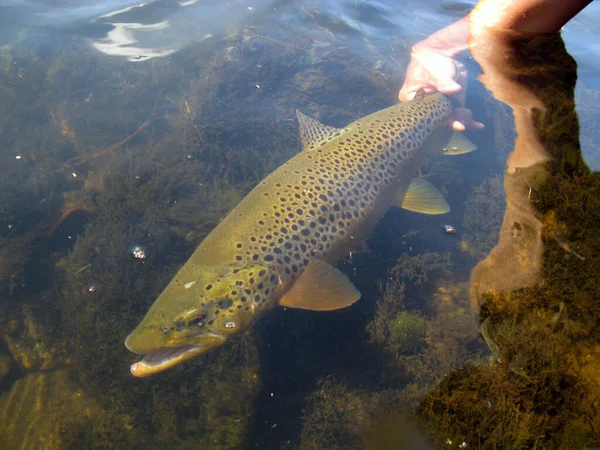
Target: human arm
{"x": 526, "y": 17}
{"x": 435, "y": 62}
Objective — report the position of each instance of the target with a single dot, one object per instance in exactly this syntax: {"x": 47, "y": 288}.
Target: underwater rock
{"x": 5, "y": 363}
{"x": 27, "y": 344}
{"x": 41, "y": 409}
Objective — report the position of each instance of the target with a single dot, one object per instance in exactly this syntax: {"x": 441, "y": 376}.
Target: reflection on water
{"x": 161, "y": 28}
{"x": 536, "y": 289}
{"x": 483, "y": 338}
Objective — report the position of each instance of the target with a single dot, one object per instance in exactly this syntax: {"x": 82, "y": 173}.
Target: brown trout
{"x": 277, "y": 245}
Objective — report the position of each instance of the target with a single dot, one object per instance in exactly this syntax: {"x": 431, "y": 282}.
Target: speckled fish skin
{"x": 312, "y": 209}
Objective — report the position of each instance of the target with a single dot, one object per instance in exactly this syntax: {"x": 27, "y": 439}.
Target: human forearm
{"x": 435, "y": 61}
{"x": 526, "y": 17}
{"x": 450, "y": 41}
{"x": 529, "y": 17}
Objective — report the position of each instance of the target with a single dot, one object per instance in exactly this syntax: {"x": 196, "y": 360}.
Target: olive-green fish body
{"x": 277, "y": 244}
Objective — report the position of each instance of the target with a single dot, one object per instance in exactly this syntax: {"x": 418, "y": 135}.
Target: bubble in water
{"x": 91, "y": 288}
{"x": 190, "y": 157}
{"x": 138, "y": 252}
{"x": 449, "y": 229}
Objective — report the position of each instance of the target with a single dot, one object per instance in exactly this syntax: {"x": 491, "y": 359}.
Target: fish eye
{"x": 197, "y": 321}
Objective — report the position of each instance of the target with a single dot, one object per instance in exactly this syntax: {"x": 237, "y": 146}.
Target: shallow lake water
{"x": 129, "y": 131}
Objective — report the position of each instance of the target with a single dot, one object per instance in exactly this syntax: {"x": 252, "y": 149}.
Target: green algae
{"x": 483, "y": 217}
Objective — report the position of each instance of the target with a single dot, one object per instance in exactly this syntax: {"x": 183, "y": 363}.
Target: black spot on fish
{"x": 225, "y": 303}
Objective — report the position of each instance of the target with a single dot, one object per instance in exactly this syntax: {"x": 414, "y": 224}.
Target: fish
{"x": 277, "y": 247}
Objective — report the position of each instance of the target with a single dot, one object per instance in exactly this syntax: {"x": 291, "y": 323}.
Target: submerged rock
{"x": 41, "y": 409}
{"x": 28, "y": 344}
{"x": 5, "y": 364}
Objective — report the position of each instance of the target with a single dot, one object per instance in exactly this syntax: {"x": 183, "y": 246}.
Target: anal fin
{"x": 458, "y": 144}
{"x": 321, "y": 287}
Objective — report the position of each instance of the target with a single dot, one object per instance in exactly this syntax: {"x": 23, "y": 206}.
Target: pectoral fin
{"x": 321, "y": 287}
{"x": 424, "y": 198}
{"x": 458, "y": 145}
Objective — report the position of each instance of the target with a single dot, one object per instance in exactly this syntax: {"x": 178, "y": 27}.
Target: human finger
{"x": 409, "y": 90}
{"x": 462, "y": 119}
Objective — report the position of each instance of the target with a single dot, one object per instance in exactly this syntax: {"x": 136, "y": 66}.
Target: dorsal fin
{"x": 313, "y": 132}
{"x": 420, "y": 95}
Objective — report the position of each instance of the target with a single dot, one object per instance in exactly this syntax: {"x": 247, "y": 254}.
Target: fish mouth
{"x": 164, "y": 358}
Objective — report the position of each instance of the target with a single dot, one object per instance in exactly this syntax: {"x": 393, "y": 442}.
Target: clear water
{"x": 128, "y": 131}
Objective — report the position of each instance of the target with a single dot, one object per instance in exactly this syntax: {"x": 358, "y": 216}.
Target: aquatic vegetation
{"x": 422, "y": 335}
{"x": 481, "y": 223}
{"x": 487, "y": 403}
{"x": 419, "y": 269}
{"x": 162, "y": 185}
{"x": 406, "y": 333}
{"x": 545, "y": 333}
{"x": 338, "y": 416}
{"x": 150, "y": 207}
{"x": 335, "y": 417}
{"x": 416, "y": 352}
{"x": 399, "y": 331}
{"x": 438, "y": 316}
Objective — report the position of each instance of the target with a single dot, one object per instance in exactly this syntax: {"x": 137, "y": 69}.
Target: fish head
{"x": 187, "y": 320}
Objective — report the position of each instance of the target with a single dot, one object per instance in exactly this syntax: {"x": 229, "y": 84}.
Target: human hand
{"x": 433, "y": 71}
{"x": 435, "y": 67}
